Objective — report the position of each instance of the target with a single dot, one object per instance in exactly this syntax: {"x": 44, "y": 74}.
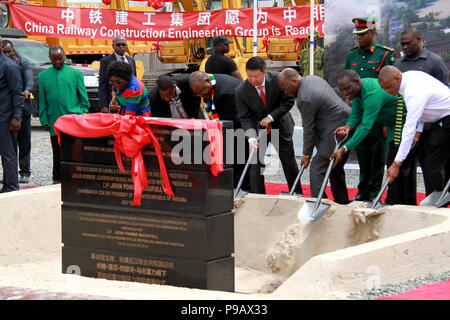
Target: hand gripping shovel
{"x": 437, "y": 198}
{"x": 237, "y": 192}
{"x": 297, "y": 179}
{"x": 376, "y": 202}
{"x": 312, "y": 211}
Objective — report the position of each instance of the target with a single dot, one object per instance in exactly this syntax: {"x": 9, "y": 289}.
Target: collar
{"x": 177, "y": 93}
{"x": 119, "y": 57}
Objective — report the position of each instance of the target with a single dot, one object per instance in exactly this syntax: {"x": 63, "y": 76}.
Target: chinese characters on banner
{"x": 93, "y": 23}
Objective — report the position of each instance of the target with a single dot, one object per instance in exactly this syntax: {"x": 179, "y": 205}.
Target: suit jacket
{"x": 251, "y": 109}
{"x": 191, "y": 104}
{"x": 225, "y": 98}
{"x": 11, "y": 100}
{"x": 27, "y": 78}
{"x": 104, "y": 88}
{"x": 322, "y": 111}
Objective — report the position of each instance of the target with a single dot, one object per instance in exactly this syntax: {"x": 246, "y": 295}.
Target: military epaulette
{"x": 354, "y": 48}
{"x": 386, "y": 48}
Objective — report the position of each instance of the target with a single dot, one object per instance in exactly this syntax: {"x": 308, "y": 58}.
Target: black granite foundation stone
{"x": 215, "y": 274}
{"x": 178, "y": 236}
{"x": 196, "y": 192}
{"x": 181, "y": 149}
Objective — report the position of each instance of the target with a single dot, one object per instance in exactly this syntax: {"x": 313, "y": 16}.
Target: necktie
{"x": 399, "y": 120}
{"x": 123, "y": 59}
{"x": 262, "y": 95}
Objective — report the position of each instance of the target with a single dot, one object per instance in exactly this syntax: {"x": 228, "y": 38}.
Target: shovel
{"x": 238, "y": 193}
{"x": 376, "y": 202}
{"x": 437, "y": 198}
{"x": 297, "y": 179}
{"x": 312, "y": 211}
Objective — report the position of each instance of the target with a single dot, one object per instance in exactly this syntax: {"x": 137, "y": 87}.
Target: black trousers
{"x": 286, "y": 153}
{"x": 56, "y": 174}
{"x": 8, "y": 153}
{"x": 435, "y": 155}
{"x": 403, "y": 189}
{"x": 24, "y": 144}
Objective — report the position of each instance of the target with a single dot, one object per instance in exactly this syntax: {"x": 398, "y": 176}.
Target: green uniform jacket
{"x": 374, "y": 106}
{"x": 303, "y": 62}
{"x": 368, "y": 63}
{"x": 61, "y": 92}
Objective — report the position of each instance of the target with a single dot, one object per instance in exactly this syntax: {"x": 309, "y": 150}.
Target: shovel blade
{"x": 431, "y": 199}
{"x": 443, "y": 201}
{"x": 240, "y": 194}
{"x": 308, "y": 214}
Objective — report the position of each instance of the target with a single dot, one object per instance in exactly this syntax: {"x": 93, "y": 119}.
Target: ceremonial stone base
{"x": 186, "y": 240}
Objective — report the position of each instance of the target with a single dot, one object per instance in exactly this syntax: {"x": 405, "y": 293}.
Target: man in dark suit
{"x": 173, "y": 98}
{"x": 24, "y": 135}
{"x": 11, "y": 108}
{"x": 322, "y": 111}
{"x": 260, "y": 100}
{"x": 219, "y": 96}
{"x": 104, "y": 88}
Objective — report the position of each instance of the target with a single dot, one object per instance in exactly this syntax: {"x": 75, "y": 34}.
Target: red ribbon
{"x": 132, "y": 134}
{"x": 266, "y": 43}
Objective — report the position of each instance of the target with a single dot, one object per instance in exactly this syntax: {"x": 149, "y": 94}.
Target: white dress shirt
{"x": 121, "y": 58}
{"x": 427, "y": 100}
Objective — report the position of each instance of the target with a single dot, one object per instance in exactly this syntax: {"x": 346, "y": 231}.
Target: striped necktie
{"x": 399, "y": 119}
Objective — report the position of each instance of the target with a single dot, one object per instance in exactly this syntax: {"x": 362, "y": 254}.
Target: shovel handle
{"x": 247, "y": 164}
{"x": 378, "y": 197}
{"x": 297, "y": 179}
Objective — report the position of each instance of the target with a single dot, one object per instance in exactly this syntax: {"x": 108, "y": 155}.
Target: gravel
{"x": 394, "y": 288}
{"x": 41, "y": 175}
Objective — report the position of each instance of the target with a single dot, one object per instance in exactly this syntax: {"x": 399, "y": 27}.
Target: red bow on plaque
{"x": 132, "y": 134}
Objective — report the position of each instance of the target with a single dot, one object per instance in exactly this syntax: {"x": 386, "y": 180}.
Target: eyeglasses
{"x": 120, "y": 44}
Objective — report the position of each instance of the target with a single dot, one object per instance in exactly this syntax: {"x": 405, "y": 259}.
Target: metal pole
{"x": 255, "y": 27}
{"x": 311, "y": 40}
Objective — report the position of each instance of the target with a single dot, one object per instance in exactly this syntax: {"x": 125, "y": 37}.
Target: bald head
{"x": 390, "y": 79}
{"x": 289, "y": 81}
{"x": 200, "y": 84}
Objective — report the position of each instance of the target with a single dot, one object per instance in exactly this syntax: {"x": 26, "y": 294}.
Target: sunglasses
{"x": 120, "y": 44}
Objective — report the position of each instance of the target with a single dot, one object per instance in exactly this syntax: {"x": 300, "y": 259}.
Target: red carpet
{"x": 277, "y": 188}
{"x": 435, "y": 291}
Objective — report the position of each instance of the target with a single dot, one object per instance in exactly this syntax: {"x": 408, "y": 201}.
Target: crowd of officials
{"x": 395, "y": 111}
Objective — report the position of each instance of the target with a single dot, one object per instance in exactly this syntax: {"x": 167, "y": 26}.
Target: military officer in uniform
{"x": 367, "y": 59}
{"x": 303, "y": 62}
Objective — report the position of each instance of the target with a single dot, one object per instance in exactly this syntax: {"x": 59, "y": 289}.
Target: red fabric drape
{"x": 132, "y": 134}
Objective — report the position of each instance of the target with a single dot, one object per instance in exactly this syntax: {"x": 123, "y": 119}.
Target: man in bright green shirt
{"x": 370, "y": 106}
{"x": 367, "y": 59}
{"x": 61, "y": 91}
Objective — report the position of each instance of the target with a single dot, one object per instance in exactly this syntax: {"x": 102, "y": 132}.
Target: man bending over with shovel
{"x": 322, "y": 111}
{"x": 427, "y": 100}
{"x": 371, "y": 105}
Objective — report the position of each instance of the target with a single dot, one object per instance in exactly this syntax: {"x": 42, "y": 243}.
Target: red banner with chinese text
{"x": 105, "y": 24}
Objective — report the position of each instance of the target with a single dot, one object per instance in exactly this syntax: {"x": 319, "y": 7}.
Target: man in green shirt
{"x": 370, "y": 106}
{"x": 61, "y": 91}
{"x": 303, "y": 61}
{"x": 367, "y": 59}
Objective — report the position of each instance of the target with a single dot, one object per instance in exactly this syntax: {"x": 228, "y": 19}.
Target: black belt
{"x": 442, "y": 122}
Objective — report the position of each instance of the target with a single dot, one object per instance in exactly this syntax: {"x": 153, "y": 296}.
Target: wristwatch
{"x": 399, "y": 163}
{"x": 345, "y": 149}
{"x": 17, "y": 117}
